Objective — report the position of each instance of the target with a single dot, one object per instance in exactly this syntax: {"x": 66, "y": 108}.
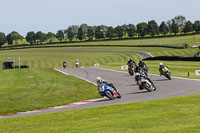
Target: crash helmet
{"x": 77, "y": 60}
{"x": 161, "y": 64}
{"x": 99, "y": 80}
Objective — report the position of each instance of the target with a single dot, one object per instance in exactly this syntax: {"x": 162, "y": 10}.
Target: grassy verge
{"x": 29, "y": 89}
{"x": 173, "y": 115}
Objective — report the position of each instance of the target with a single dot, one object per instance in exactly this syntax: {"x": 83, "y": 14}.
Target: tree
{"x": 84, "y": 29}
{"x": 99, "y": 33}
{"x": 169, "y": 25}
{"x": 40, "y": 36}
{"x": 131, "y": 30}
{"x": 125, "y": 28}
{"x": 60, "y": 35}
{"x": 50, "y": 36}
{"x": 110, "y": 33}
{"x": 119, "y": 31}
{"x": 163, "y": 28}
{"x": 72, "y": 32}
{"x": 80, "y": 34}
{"x": 75, "y": 30}
{"x": 13, "y": 36}
{"x": 2, "y": 38}
{"x": 196, "y": 26}
{"x": 90, "y": 33}
{"x": 175, "y": 28}
{"x": 142, "y": 29}
{"x": 152, "y": 28}
{"x": 188, "y": 27}
{"x": 180, "y": 20}
{"x": 30, "y": 37}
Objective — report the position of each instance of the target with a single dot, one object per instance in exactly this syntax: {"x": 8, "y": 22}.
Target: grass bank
{"x": 173, "y": 115}
{"x": 29, "y": 89}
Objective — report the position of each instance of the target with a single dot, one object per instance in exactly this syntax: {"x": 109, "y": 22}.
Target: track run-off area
{"x": 126, "y": 85}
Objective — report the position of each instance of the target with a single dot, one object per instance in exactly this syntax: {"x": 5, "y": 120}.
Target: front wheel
{"x": 167, "y": 75}
{"x": 109, "y": 95}
{"x": 148, "y": 87}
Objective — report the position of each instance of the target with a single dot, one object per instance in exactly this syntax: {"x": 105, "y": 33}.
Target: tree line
{"x": 177, "y": 25}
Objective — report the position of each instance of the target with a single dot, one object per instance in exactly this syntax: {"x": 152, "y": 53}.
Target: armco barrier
{"x": 173, "y": 58}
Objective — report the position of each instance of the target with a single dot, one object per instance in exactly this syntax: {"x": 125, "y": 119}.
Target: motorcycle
{"x": 108, "y": 91}
{"x": 77, "y": 64}
{"x": 166, "y": 72}
{"x": 145, "y": 83}
{"x": 137, "y": 77}
{"x": 131, "y": 69}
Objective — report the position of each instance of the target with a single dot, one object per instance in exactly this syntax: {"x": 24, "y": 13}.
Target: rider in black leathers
{"x": 130, "y": 62}
{"x": 143, "y": 65}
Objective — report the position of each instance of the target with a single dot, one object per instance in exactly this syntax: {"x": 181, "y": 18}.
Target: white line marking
{"x": 76, "y": 76}
{"x": 61, "y": 71}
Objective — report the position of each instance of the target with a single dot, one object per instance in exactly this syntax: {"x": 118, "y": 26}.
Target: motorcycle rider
{"x": 77, "y": 63}
{"x": 145, "y": 75}
{"x": 161, "y": 67}
{"x": 143, "y": 65}
{"x": 130, "y": 62}
{"x": 100, "y": 81}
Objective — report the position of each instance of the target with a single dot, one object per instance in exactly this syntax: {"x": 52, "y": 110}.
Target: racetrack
{"x": 125, "y": 84}
{"x": 127, "y": 87}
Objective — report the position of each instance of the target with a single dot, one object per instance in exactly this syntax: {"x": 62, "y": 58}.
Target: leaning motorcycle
{"x": 166, "y": 72}
{"x": 145, "y": 83}
{"x": 108, "y": 91}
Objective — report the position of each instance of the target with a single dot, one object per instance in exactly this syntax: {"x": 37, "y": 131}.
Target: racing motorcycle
{"x": 108, "y": 91}
{"x": 166, "y": 72}
{"x": 144, "y": 82}
{"x": 131, "y": 69}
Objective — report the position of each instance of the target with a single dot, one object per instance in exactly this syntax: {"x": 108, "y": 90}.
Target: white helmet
{"x": 161, "y": 64}
{"x": 99, "y": 79}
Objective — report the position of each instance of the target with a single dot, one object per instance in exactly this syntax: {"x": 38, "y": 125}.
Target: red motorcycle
{"x": 131, "y": 69}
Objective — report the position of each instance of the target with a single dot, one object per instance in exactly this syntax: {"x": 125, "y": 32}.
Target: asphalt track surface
{"x": 127, "y": 87}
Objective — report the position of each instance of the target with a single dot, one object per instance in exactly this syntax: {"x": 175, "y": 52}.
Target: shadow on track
{"x": 161, "y": 80}
{"x": 138, "y": 92}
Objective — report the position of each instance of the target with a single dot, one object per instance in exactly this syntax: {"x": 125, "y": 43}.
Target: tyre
{"x": 109, "y": 95}
{"x": 131, "y": 73}
{"x": 148, "y": 87}
{"x": 167, "y": 75}
{"x": 119, "y": 96}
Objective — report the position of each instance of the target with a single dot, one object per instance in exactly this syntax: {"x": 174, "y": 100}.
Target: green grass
{"x": 53, "y": 58}
{"x": 19, "y": 87}
{"x": 29, "y": 89}
{"x": 40, "y": 86}
{"x": 177, "y": 68}
{"x": 173, "y": 115}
